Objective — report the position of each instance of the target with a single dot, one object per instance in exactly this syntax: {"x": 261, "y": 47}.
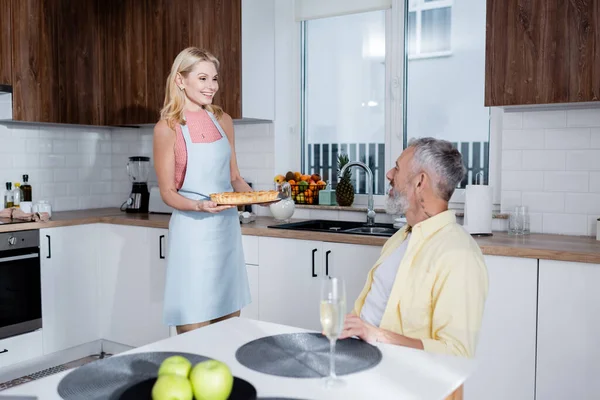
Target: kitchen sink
{"x": 347, "y": 227}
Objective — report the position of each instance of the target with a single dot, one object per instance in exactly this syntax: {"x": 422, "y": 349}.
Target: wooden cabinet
{"x": 542, "y": 52}
{"x": 132, "y": 283}
{"x": 123, "y": 25}
{"x": 568, "y": 324}
{"x": 69, "y": 278}
{"x": 105, "y": 62}
{"x": 167, "y": 33}
{"x": 5, "y": 42}
{"x": 80, "y": 48}
{"x": 35, "y": 60}
{"x": 507, "y": 340}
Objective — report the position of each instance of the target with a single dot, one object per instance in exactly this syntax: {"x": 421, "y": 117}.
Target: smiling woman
{"x": 194, "y": 152}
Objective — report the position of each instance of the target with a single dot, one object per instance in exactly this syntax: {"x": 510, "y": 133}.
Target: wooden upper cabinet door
{"x": 5, "y": 43}
{"x": 81, "y": 63}
{"x": 216, "y": 26}
{"x": 123, "y": 23}
{"x": 167, "y": 33}
{"x": 35, "y": 61}
{"x": 542, "y": 52}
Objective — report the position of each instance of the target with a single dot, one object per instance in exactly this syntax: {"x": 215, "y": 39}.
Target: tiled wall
{"x": 551, "y": 163}
{"x": 77, "y": 167}
{"x": 69, "y": 166}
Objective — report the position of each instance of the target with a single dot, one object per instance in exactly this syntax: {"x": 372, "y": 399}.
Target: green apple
{"x": 172, "y": 387}
{"x": 211, "y": 380}
{"x": 175, "y": 365}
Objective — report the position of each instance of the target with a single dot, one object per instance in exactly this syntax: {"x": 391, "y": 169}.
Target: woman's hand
{"x": 211, "y": 207}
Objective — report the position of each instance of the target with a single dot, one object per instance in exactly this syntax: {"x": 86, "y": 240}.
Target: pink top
{"x": 202, "y": 130}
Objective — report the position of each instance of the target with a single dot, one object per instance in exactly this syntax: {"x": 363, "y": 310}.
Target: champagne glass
{"x": 333, "y": 313}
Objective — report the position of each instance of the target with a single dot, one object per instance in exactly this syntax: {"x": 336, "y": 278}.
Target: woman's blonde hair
{"x": 184, "y": 63}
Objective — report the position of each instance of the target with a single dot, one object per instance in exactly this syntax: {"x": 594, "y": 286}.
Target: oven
{"x": 20, "y": 283}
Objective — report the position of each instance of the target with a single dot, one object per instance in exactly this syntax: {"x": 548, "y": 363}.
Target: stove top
{"x": 9, "y": 221}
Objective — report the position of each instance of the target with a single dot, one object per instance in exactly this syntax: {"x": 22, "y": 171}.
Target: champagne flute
{"x": 333, "y": 312}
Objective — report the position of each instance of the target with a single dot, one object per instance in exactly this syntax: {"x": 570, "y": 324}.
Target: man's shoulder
{"x": 452, "y": 242}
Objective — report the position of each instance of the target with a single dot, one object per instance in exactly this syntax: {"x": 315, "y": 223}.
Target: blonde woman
{"x": 194, "y": 154}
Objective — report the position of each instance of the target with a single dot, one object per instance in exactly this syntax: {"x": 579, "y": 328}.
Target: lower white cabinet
{"x": 568, "y": 325}
{"x": 507, "y": 340}
{"x": 132, "y": 264}
{"x": 252, "y": 310}
{"x": 69, "y": 278}
{"x": 21, "y": 348}
{"x": 291, "y": 272}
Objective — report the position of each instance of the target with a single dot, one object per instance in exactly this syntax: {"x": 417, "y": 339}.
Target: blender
{"x": 138, "y": 169}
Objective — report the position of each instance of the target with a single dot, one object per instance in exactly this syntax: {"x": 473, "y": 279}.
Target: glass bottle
{"x": 8, "y": 196}
{"x": 26, "y": 188}
{"x": 17, "y": 195}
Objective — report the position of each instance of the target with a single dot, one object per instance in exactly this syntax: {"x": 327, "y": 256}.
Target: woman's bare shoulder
{"x": 163, "y": 130}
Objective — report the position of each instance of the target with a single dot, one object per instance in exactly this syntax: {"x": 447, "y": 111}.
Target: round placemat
{"x": 110, "y": 377}
{"x": 306, "y": 355}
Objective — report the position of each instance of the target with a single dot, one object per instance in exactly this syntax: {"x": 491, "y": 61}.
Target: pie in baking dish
{"x": 239, "y": 198}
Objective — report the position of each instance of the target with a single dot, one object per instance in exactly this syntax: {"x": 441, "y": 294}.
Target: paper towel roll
{"x": 478, "y": 209}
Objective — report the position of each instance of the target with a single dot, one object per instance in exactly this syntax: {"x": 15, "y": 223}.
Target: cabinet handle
{"x": 4, "y": 351}
{"x": 160, "y": 249}
{"x": 49, "y": 247}
{"x": 327, "y": 262}
{"x": 313, "y": 263}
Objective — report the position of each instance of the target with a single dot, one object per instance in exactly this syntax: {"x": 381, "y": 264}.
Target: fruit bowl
{"x": 305, "y": 193}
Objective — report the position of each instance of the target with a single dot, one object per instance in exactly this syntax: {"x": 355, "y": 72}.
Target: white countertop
{"x": 402, "y": 374}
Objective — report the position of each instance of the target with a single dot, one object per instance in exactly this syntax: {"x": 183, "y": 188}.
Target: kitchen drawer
{"x": 250, "y": 244}
{"x": 20, "y": 348}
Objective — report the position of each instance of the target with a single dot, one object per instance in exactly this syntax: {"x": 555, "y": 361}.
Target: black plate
{"x": 242, "y": 390}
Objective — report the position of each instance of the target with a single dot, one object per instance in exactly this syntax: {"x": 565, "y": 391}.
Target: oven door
{"x": 20, "y": 291}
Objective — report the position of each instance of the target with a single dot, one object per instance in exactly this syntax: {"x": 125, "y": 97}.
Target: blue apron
{"x": 206, "y": 271}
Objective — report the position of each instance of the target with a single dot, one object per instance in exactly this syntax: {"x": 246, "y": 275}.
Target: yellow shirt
{"x": 440, "y": 288}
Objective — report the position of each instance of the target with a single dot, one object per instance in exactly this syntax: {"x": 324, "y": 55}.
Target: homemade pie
{"x": 240, "y": 198}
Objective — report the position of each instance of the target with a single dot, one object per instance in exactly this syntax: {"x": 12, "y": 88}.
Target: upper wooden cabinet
{"x": 105, "y": 62}
{"x": 542, "y": 52}
{"x": 5, "y": 42}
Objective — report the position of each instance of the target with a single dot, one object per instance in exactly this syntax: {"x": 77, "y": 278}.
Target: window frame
{"x": 396, "y": 42}
{"x": 418, "y": 8}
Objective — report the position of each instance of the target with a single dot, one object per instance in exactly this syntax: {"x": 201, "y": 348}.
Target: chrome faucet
{"x": 370, "y": 208}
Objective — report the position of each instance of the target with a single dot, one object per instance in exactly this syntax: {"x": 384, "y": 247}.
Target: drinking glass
{"x": 333, "y": 313}
{"x": 518, "y": 222}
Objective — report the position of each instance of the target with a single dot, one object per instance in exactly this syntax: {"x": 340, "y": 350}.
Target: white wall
{"x": 77, "y": 167}
{"x": 551, "y": 163}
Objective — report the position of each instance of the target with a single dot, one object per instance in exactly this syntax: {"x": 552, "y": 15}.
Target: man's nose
{"x": 390, "y": 174}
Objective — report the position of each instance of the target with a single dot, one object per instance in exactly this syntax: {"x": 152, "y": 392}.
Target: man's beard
{"x": 396, "y": 203}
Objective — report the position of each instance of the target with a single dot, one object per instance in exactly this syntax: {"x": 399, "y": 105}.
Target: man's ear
{"x": 421, "y": 182}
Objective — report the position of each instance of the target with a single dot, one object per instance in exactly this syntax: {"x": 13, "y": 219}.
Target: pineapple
{"x": 344, "y": 191}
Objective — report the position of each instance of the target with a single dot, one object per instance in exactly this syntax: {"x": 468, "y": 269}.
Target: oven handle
{"x": 15, "y": 258}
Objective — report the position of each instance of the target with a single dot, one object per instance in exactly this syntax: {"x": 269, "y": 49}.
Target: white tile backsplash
{"x": 544, "y": 160}
{"x": 544, "y": 202}
{"x": 517, "y": 139}
{"x": 566, "y": 181}
{"x": 544, "y": 119}
{"x": 77, "y": 167}
{"x": 565, "y": 224}
{"x": 584, "y": 117}
{"x": 564, "y": 147}
{"x": 569, "y": 138}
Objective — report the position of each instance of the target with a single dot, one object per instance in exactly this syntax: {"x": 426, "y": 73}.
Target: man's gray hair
{"x": 441, "y": 161}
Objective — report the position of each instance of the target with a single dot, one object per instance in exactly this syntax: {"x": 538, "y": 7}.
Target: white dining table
{"x": 403, "y": 373}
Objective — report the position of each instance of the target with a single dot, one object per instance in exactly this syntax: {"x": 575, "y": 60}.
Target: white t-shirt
{"x": 383, "y": 281}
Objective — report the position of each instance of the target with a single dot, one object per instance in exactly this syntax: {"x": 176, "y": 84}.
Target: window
{"x": 366, "y": 94}
{"x": 344, "y": 96}
{"x": 429, "y": 28}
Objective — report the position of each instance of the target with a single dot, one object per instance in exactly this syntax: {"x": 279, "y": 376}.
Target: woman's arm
{"x": 239, "y": 184}
{"x": 164, "y": 164}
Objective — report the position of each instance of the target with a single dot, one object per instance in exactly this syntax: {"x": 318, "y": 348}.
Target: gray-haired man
{"x": 429, "y": 286}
